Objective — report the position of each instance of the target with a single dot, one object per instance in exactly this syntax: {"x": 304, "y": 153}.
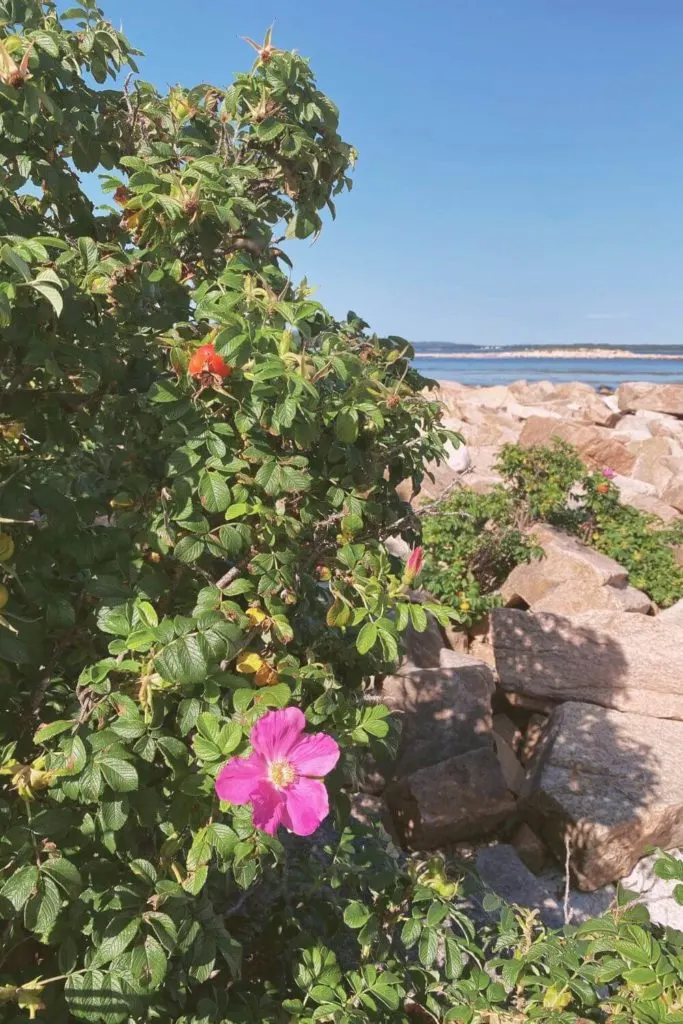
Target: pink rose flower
{"x": 608, "y": 473}
{"x": 414, "y": 565}
{"x": 281, "y": 778}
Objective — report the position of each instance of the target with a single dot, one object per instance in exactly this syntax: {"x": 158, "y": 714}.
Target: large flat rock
{"x": 666, "y": 398}
{"x": 599, "y": 447}
{"x": 615, "y": 659}
{"x": 461, "y": 798}
{"x": 444, "y": 711}
{"x": 571, "y": 578}
{"x": 673, "y": 495}
{"x": 658, "y": 461}
{"x": 610, "y": 785}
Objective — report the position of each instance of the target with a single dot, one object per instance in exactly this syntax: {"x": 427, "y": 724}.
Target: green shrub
{"x": 197, "y": 467}
{"x": 472, "y": 545}
{"x": 474, "y": 540}
{"x": 540, "y": 481}
{"x": 641, "y": 543}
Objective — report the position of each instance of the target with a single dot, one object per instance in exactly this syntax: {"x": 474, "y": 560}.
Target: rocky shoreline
{"x": 550, "y": 736}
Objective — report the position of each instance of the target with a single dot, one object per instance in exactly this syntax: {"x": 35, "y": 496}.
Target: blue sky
{"x": 521, "y": 161}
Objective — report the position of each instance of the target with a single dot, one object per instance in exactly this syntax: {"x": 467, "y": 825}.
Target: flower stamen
{"x": 281, "y": 774}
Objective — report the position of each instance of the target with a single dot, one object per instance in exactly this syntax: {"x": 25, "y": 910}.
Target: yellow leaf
{"x": 256, "y": 616}
{"x": 249, "y": 663}
{"x": 40, "y": 780}
{"x": 29, "y": 997}
{"x": 557, "y": 998}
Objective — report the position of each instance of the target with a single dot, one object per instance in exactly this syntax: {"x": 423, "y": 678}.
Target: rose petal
{"x": 269, "y": 807}
{"x": 306, "y": 805}
{"x": 275, "y": 734}
{"x": 237, "y": 780}
{"x": 315, "y": 755}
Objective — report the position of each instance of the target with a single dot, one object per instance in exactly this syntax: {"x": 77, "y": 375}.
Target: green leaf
{"x": 164, "y": 391}
{"x": 388, "y": 990}
{"x": 184, "y": 660}
{"x": 116, "y": 619}
{"x": 428, "y": 947}
{"x": 143, "y": 869}
{"x": 75, "y": 755}
{"x": 120, "y": 775}
{"x": 323, "y": 994}
{"x": 113, "y": 812}
{"x": 356, "y": 915}
{"x": 239, "y": 586}
{"x": 149, "y": 963}
{"x": 51, "y": 293}
{"x": 640, "y": 976}
{"x": 276, "y": 478}
{"x": 65, "y": 874}
{"x": 96, "y": 996}
{"x": 367, "y": 638}
{"x": 418, "y": 617}
{"x": 214, "y": 493}
{"x": 164, "y": 928}
{"x": 346, "y": 426}
{"x": 189, "y": 549}
{"x": 209, "y": 726}
{"x": 90, "y": 783}
{"x": 200, "y": 851}
{"x": 455, "y": 962}
{"x": 46, "y": 41}
{"x": 42, "y": 909}
{"x": 669, "y": 867}
{"x": 270, "y": 129}
{"x": 273, "y": 696}
{"x": 118, "y": 935}
{"x": 205, "y": 750}
{"x": 18, "y": 887}
{"x": 374, "y": 720}
{"x": 223, "y": 838}
{"x": 15, "y": 261}
{"x": 196, "y": 880}
{"x": 389, "y": 643}
{"x": 188, "y": 712}
{"x": 237, "y": 511}
{"x": 128, "y": 727}
{"x": 46, "y": 732}
{"x": 411, "y": 931}
{"x": 436, "y": 913}
{"x": 89, "y": 252}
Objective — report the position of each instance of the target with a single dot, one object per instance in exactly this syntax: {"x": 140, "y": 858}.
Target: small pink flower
{"x": 414, "y": 565}
{"x": 281, "y": 778}
{"x": 608, "y": 473}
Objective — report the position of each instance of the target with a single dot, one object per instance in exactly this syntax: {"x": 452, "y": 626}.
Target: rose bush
{"x": 198, "y": 469}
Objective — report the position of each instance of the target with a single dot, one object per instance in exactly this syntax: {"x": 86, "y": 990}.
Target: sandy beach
{"x": 549, "y": 353}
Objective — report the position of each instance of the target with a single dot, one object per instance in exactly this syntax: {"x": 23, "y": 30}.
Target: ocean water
{"x": 505, "y": 369}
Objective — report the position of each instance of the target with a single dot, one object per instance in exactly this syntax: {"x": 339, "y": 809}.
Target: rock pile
{"x": 638, "y": 433}
{"x": 563, "y": 736}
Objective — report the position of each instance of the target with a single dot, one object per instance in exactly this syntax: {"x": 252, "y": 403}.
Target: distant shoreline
{"x": 550, "y": 353}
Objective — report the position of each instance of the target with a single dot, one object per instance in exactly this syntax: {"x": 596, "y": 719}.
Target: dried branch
{"x": 229, "y": 576}
{"x": 568, "y": 850}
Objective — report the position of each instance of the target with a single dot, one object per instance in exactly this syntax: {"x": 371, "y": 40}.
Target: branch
{"x": 426, "y": 510}
{"x": 565, "y": 903}
{"x": 229, "y": 576}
